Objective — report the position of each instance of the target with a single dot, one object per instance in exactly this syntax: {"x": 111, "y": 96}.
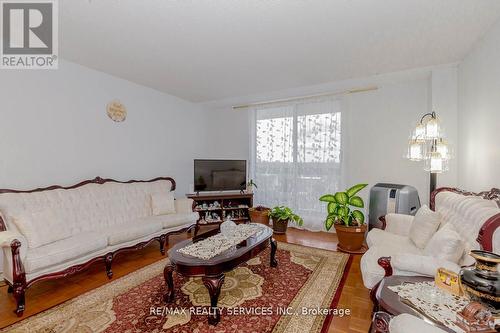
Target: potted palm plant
{"x": 349, "y": 222}
{"x": 281, "y": 215}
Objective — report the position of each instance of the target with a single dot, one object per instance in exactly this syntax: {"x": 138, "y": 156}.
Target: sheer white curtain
{"x": 296, "y": 153}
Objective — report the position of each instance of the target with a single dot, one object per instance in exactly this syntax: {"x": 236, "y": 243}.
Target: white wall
{"x": 378, "y": 127}
{"x": 444, "y": 100}
{"x": 54, "y": 130}
{"x": 378, "y": 124}
{"x": 479, "y": 115}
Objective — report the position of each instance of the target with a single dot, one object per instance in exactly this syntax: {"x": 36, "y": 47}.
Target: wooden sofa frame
{"x": 20, "y": 284}
{"x": 484, "y": 237}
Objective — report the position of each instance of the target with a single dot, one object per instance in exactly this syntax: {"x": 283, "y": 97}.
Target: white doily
{"x": 212, "y": 246}
{"x": 432, "y": 302}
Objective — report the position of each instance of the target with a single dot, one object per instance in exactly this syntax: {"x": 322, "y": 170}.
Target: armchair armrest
{"x": 421, "y": 265}
{"x": 398, "y": 224}
{"x": 14, "y": 246}
{"x": 385, "y": 263}
{"x": 184, "y": 205}
{"x": 7, "y": 237}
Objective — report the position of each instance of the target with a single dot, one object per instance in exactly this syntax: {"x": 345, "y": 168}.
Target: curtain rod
{"x": 344, "y": 92}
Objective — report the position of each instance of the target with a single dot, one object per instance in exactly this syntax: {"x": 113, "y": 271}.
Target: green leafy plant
{"x": 340, "y": 207}
{"x": 283, "y": 213}
{"x": 252, "y": 183}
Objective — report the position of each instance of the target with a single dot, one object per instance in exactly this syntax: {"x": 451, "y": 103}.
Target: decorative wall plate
{"x": 116, "y": 111}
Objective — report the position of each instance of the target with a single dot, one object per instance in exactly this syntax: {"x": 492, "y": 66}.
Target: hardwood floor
{"x": 47, "y": 294}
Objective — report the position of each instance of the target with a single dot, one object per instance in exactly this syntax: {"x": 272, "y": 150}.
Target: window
{"x": 296, "y": 155}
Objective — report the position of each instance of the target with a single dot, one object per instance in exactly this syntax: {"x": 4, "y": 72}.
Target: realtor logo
{"x": 29, "y": 34}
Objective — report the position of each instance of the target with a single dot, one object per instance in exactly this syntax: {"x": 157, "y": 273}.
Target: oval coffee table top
{"x": 390, "y": 302}
{"x": 257, "y": 241}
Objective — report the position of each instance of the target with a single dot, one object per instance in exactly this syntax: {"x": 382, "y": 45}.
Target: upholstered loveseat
{"x": 58, "y": 231}
{"x": 474, "y": 217}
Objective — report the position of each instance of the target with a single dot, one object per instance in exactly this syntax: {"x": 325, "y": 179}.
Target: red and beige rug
{"x": 294, "y": 297}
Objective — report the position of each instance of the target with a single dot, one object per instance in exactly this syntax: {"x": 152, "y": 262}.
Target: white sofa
{"x": 95, "y": 220}
{"x": 473, "y": 216}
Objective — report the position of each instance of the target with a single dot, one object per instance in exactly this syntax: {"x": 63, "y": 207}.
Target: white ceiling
{"x": 203, "y": 50}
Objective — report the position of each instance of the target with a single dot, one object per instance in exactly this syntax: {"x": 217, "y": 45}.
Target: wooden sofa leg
{"x": 163, "y": 240}
{"x": 19, "y": 295}
{"x": 108, "y": 260}
{"x": 19, "y": 278}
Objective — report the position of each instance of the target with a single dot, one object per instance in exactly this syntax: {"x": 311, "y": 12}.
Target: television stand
{"x": 214, "y": 208}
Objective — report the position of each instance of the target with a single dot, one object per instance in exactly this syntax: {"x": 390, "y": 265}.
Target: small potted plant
{"x": 250, "y": 185}
{"x": 281, "y": 215}
{"x": 259, "y": 214}
{"x": 349, "y": 222}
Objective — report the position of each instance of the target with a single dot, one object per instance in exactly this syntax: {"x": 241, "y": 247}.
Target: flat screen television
{"x": 220, "y": 175}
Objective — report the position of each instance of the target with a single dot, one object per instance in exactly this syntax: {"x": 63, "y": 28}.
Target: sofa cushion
{"x": 41, "y": 227}
{"x": 379, "y": 237}
{"x": 424, "y": 225}
{"x": 421, "y": 264}
{"x": 64, "y": 250}
{"x": 162, "y": 203}
{"x": 445, "y": 244}
{"x": 127, "y": 232}
{"x": 372, "y": 273}
{"x": 173, "y": 220}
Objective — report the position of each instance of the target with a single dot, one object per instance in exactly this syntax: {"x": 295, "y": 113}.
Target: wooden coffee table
{"x": 212, "y": 270}
{"x": 390, "y": 302}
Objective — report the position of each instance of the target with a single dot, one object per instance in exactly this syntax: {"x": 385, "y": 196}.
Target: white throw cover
{"x": 94, "y": 219}
{"x": 467, "y": 214}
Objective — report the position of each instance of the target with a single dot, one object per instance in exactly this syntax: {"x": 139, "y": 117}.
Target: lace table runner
{"x": 212, "y": 246}
{"x": 432, "y": 302}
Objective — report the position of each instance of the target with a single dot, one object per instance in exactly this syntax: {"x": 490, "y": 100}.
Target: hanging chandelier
{"x": 427, "y": 143}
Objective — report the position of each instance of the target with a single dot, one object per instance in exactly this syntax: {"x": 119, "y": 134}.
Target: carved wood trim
{"x": 96, "y": 180}
{"x": 485, "y": 235}
{"x": 385, "y": 263}
{"x": 383, "y": 221}
{"x": 380, "y": 323}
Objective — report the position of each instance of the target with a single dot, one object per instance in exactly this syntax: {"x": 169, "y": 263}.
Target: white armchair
{"x": 391, "y": 251}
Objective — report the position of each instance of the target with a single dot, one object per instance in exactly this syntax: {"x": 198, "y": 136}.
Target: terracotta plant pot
{"x": 351, "y": 239}
{"x": 259, "y": 215}
{"x": 280, "y": 226}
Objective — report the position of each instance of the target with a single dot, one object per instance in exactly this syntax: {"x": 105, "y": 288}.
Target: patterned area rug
{"x": 254, "y": 298}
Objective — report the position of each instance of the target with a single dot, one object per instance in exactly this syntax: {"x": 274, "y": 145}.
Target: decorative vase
{"x": 259, "y": 214}
{"x": 351, "y": 238}
{"x": 226, "y": 227}
{"x": 280, "y": 226}
{"x": 482, "y": 283}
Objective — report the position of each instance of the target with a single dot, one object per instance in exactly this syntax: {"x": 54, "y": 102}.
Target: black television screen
{"x": 220, "y": 175}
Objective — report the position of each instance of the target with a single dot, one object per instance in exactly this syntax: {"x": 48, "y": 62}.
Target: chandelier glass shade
{"x": 427, "y": 143}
